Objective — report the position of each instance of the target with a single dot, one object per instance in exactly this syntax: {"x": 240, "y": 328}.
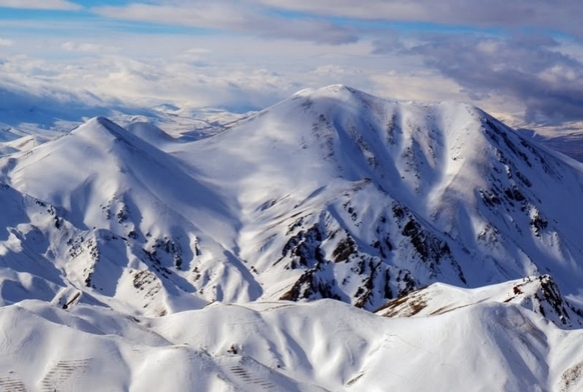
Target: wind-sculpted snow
{"x": 331, "y": 193}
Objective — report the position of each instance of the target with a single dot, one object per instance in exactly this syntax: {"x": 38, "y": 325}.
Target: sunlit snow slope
{"x": 320, "y": 346}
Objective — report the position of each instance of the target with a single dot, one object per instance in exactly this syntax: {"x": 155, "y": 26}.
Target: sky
{"x": 521, "y": 60}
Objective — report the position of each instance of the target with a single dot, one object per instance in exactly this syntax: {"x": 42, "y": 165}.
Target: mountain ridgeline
{"x": 331, "y": 193}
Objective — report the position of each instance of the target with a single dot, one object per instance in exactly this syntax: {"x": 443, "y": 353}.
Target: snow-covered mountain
{"x": 331, "y": 193}
{"x": 347, "y": 196}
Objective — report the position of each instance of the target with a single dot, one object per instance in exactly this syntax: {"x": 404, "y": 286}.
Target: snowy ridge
{"x": 566, "y": 142}
{"x": 538, "y": 294}
{"x": 150, "y": 133}
{"x": 319, "y": 346}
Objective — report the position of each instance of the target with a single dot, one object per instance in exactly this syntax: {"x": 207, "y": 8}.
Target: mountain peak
{"x": 407, "y": 194}
{"x": 100, "y": 121}
{"x": 100, "y": 127}
{"x": 336, "y": 91}
{"x": 103, "y": 121}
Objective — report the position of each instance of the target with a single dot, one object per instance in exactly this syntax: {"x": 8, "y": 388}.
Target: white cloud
{"x": 216, "y": 71}
{"x": 210, "y": 71}
{"x": 235, "y": 74}
{"x": 267, "y": 17}
{"x": 41, "y": 4}
{"x": 559, "y": 15}
{"x": 6, "y": 42}
{"x": 198, "y": 51}
{"x": 88, "y": 47}
{"x": 234, "y": 17}
{"x": 374, "y": 9}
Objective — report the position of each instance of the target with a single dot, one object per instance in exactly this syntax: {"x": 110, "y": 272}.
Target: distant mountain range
{"x": 568, "y": 143}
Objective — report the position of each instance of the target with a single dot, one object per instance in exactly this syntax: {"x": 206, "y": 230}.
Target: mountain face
{"x": 332, "y": 193}
{"x": 126, "y": 216}
{"x": 342, "y": 195}
{"x": 437, "y": 217}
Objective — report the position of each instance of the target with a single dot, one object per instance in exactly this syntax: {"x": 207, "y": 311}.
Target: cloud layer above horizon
{"x": 520, "y": 59}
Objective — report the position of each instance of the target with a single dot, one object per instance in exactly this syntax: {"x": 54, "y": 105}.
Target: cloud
{"x": 88, "y": 47}
{"x": 236, "y": 73}
{"x": 234, "y": 17}
{"x": 117, "y": 81}
{"x": 558, "y": 15}
{"x": 6, "y": 42}
{"x": 41, "y": 4}
{"x": 531, "y": 69}
{"x": 260, "y": 51}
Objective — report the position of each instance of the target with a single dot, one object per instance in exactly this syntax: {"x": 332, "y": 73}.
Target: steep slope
{"x": 348, "y": 196}
{"x": 149, "y": 133}
{"x": 27, "y": 232}
{"x": 112, "y": 250}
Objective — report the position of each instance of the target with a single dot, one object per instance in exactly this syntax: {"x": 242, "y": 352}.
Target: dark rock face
{"x": 335, "y": 264}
